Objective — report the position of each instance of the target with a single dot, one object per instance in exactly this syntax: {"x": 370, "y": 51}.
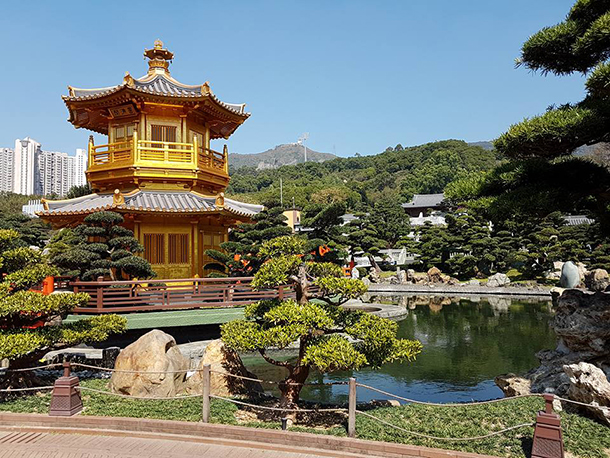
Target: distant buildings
{"x": 426, "y": 208}
{"x": 27, "y": 169}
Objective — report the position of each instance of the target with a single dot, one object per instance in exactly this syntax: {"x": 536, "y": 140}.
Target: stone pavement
{"x": 53, "y": 445}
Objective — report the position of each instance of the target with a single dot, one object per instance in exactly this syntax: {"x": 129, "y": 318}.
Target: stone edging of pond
{"x": 460, "y": 290}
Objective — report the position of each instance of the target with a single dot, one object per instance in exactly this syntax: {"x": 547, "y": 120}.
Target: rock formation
{"x": 155, "y": 351}
{"x": 435, "y": 275}
{"x": 582, "y": 325}
{"x": 589, "y": 384}
{"x": 222, "y": 359}
{"x": 597, "y": 280}
{"x": 570, "y": 275}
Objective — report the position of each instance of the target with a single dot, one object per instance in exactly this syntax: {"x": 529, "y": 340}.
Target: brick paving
{"x": 15, "y": 444}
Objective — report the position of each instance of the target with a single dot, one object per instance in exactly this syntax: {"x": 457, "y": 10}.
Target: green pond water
{"x": 467, "y": 342}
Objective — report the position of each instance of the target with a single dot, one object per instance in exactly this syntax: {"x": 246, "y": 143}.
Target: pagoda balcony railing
{"x": 150, "y": 153}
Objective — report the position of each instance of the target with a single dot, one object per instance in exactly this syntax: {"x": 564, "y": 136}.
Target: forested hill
{"x": 397, "y": 174}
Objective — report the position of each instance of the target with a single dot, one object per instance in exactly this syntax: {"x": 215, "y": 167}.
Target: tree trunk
{"x": 374, "y": 263}
{"x": 291, "y": 386}
{"x": 301, "y": 286}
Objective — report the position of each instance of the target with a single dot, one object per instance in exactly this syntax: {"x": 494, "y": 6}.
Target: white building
{"x": 25, "y": 164}
{"x": 7, "y": 169}
{"x": 55, "y": 173}
{"x": 80, "y": 165}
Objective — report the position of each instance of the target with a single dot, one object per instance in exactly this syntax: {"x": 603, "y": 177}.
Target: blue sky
{"x": 357, "y": 75}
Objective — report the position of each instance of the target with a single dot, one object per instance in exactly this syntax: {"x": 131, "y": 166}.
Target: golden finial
{"x": 220, "y": 200}
{"x": 118, "y": 198}
{"x": 159, "y": 57}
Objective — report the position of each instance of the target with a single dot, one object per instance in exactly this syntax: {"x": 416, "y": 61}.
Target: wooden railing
{"x": 189, "y": 293}
{"x": 155, "y": 153}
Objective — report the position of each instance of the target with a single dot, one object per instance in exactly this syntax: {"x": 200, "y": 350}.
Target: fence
{"x": 66, "y": 401}
{"x": 185, "y": 293}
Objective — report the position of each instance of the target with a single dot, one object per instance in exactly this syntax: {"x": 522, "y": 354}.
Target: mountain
{"x": 288, "y": 154}
{"x": 485, "y": 145}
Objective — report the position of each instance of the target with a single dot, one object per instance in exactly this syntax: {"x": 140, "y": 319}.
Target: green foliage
{"x": 240, "y": 256}
{"x": 99, "y": 247}
{"x": 78, "y": 191}
{"x": 28, "y": 319}
{"x": 318, "y": 325}
{"x": 357, "y": 182}
{"x": 15, "y": 344}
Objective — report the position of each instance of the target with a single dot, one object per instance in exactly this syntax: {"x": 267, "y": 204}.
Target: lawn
{"x": 583, "y": 437}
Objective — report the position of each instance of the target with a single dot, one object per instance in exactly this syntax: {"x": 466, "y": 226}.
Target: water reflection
{"x": 467, "y": 342}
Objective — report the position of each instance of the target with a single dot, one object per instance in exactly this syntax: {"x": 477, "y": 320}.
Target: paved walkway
{"x": 50, "y": 445}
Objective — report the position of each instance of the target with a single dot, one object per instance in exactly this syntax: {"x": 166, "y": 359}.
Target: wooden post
{"x": 280, "y": 292}
{"x": 548, "y": 441}
{"x": 351, "y": 411}
{"x": 205, "y": 394}
{"x": 100, "y": 294}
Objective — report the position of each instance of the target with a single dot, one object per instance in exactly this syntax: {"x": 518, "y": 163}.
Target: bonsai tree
{"x": 239, "y": 257}
{"x": 30, "y": 322}
{"x": 330, "y": 338}
{"x": 100, "y": 247}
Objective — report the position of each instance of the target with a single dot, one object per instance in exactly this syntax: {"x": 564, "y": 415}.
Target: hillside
{"x": 360, "y": 181}
{"x": 288, "y": 154}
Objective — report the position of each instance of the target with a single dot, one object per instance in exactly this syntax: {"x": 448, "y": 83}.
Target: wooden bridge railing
{"x": 184, "y": 293}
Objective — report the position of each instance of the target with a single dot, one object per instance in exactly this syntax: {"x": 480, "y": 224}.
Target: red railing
{"x": 184, "y": 293}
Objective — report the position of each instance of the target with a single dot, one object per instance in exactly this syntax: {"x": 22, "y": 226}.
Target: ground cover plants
{"x": 584, "y": 438}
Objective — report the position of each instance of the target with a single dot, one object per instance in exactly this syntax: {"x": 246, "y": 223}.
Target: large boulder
{"x": 434, "y": 275}
{"x": 590, "y": 385}
{"x": 497, "y": 280}
{"x": 223, "y": 360}
{"x": 570, "y": 275}
{"x": 597, "y": 280}
{"x": 155, "y": 351}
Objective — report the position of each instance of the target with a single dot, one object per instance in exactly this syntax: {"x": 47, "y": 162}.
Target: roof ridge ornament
{"x": 159, "y": 58}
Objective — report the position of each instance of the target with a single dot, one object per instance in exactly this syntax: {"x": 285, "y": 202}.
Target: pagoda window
{"x": 178, "y": 248}
{"x": 154, "y": 248}
{"x": 159, "y": 133}
{"x": 123, "y": 133}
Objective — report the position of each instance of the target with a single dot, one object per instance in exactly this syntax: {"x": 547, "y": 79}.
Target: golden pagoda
{"x": 157, "y": 168}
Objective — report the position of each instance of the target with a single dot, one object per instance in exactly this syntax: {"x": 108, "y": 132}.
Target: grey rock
{"x": 498, "y": 280}
{"x": 589, "y": 384}
{"x": 570, "y": 275}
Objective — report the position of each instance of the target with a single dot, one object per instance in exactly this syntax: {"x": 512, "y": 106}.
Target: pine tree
{"x": 30, "y": 322}
{"x": 100, "y": 247}
{"x": 321, "y": 327}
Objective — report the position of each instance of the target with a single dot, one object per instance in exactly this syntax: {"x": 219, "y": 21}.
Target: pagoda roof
{"x": 188, "y": 202}
{"x": 159, "y": 84}
{"x": 425, "y": 201}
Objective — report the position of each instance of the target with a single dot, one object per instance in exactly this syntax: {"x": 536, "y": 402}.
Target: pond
{"x": 467, "y": 342}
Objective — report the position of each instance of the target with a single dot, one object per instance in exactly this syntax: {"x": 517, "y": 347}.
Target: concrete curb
{"x": 466, "y": 290}
{"x": 237, "y": 436}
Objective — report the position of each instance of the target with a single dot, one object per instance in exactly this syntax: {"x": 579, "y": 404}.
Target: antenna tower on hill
{"x": 302, "y": 139}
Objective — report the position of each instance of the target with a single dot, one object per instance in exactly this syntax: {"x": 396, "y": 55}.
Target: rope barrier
{"x": 458, "y": 404}
{"x": 449, "y": 439}
{"x": 125, "y": 371}
{"x": 27, "y": 369}
{"x": 127, "y": 396}
{"x": 276, "y": 409}
{"x": 34, "y": 388}
{"x": 582, "y": 403}
{"x": 227, "y": 374}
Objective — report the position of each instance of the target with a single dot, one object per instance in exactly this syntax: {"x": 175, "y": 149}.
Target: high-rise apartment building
{"x": 7, "y": 169}
{"x": 29, "y": 170}
{"x": 80, "y": 165}
{"x": 25, "y": 165}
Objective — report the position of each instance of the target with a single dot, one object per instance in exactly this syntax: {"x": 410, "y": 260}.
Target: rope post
{"x": 205, "y": 394}
{"x": 65, "y": 400}
{"x": 548, "y": 441}
{"x": 351, "y": 411}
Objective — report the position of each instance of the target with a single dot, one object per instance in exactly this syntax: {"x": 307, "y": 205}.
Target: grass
{"x": 584, "y": 438}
